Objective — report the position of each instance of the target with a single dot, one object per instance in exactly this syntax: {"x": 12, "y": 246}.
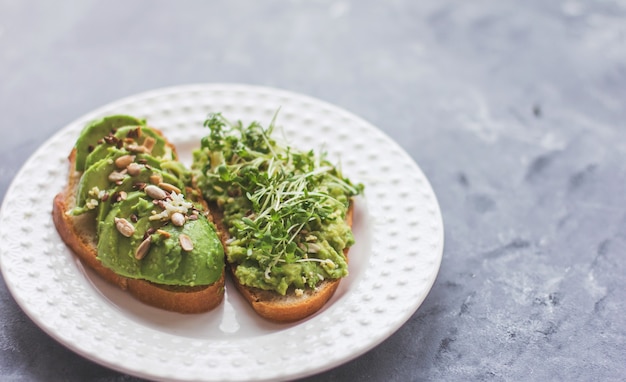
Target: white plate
{"x": 398, "y": 228}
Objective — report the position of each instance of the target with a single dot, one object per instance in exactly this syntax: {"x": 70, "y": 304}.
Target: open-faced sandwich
{"x": 285, "y": 217}
{"x": 130, "y": 213}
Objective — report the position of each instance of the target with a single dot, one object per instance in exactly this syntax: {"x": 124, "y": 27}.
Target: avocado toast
{"x": 129, "y": 211}
{"x": 285, "y": 217}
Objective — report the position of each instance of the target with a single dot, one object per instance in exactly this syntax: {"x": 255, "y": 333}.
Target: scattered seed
{"x": 149, "y": 143}
{"x": 193, "y": 217}
{"x": 105, "y": 197}
{"x": 124, "y": 227}
{"x": 115, "y": 197}
{"x": 117, "y": 176}
{"x": 149, "y": 232}
{"x": 139, "y": 186}
{"x": 134, "y": 218}
{"x": 124, "y": 161}
{"x": 155, "y": 192}
{"x": 143, "y": 248}
{"x": 156, "y": 178}
{"x": 136, "y": 148}
{"x": 185, "y": 242}
{"x": 178, "y": 219}
{"x": 163, "y": 233}
{"x": 134, "y": 133}
{"x": 134, "y": 169}
{"x": 111, "y": 139}
{"x": 169, "y": 187}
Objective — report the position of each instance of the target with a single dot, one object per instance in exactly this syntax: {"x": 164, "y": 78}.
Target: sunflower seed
{"x": 143, "y": 248}
{"x": 134, "y": 169}
{"x": 185, "y": 242}
{"x": 178, "y": 219}
{"x": 169, "y": 187}
{"x": 136, "y": 148}
{"x": 117, "y": 176}
{"x": 124, "y": 161}
{"x": 149, "y": 143}
{"x": 124, "y": 227}
{"x": 156, "y": 178}
{"x": 155, "y": 192}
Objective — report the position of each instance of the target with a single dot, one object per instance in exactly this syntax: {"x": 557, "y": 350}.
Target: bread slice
{"x": 79, "y": 234}
{"x": 290, "y": 307}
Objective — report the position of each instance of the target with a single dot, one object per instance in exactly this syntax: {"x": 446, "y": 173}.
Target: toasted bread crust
{"x": 288, "y": 308}
{"x": 82, "y": 242}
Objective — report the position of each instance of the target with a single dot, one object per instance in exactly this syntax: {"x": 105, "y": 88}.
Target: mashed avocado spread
{"x": 150, "y": 225}
{"x": 284, "y": 210}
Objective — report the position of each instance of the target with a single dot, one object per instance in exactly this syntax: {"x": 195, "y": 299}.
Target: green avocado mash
{"x": 284, "y": 210}
{"x": 160, "y": 148}
{"x": 167, "y": 262}
{"x": 94, "y": 132}
{"x": 149, "y": 224}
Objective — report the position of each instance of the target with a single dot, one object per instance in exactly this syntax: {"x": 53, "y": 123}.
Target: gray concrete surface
{"x": 514, "y": 110}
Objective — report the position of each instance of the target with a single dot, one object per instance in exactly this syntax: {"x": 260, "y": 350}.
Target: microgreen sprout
{"x": 274, "y": 198}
